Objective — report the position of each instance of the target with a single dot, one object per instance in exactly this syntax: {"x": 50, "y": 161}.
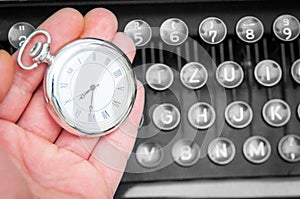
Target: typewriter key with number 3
{"x": 89, "y": 87}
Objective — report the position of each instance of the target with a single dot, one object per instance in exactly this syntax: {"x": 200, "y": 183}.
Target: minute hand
{"x": 81, "y": 96}
{"x": 92, "y": 99}
{"x": 93, "y": 87}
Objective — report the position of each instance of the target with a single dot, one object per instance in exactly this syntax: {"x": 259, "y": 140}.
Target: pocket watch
{"x": 89, "y": 86}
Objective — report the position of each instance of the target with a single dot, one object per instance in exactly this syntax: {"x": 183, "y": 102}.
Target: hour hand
{"x": 82, "y": 96}
{"x": 92, "y": 88}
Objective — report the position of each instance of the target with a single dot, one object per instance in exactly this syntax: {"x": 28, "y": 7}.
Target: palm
{"x": 45, "y": 166}
{"x": 53, "y": 162}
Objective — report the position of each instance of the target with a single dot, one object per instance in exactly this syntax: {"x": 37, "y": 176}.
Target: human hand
{"x": 38, "y": 159}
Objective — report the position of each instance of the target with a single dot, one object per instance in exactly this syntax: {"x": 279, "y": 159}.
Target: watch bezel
{"x": 52, "y": 74}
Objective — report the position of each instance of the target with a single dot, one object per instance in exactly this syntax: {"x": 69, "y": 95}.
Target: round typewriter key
{"x": 166, "y": 116}
{"x": 139, "y": 31}
{"x": 268, "y": 73}
{"x": 142, "y": 121}
{"x": 18, "y": 33}
{"x": 185, "y": 152}
{"x": 295, "y": 70}
{"x": 289, "y": 148}
{"x": 238, "y": 114}
{"x": 174, "y": 31}
{"x": 298, "y": 111}
{"x": 257, "y": 149}
{"x": 276, "y": 112}
{"x": 286, "y": 28}
{"x": 212, "y": 30}
{"x": 201, "y": 115}
{"x": 249, "y": 29}
{"x": 149, "y": 155}
{"x": 193, "y": 75}
{"x": 229, "y": 74}
{"x": 221, "y": 151}
{"x": 159, "y": 77}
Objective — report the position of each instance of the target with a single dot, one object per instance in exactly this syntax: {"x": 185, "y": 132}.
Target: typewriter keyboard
{"x": 221, "y": 103}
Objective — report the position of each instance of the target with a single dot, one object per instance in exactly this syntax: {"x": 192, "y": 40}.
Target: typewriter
{"x": 222, "y": 82}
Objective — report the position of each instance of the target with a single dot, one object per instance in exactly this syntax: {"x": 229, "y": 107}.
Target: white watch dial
{"x": 94, "y": 88}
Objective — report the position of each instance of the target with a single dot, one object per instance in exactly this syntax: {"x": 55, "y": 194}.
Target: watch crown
{"x": 41, "y": 53}
{"x": 36, "y": 49}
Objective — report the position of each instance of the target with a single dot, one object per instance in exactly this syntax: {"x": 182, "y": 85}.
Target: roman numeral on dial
{"x": 117, "y": 73}
{"x": 120, "y": 88}
{"x": 77, "y": 113}
{"x": 91, "y": 117}
{"x": 63, "y": 85}
{"x": 116, "y": 103}
{"x": 107, "y": 61}
{"x": 105, "y": 115}
{"x": 70, "y": 70}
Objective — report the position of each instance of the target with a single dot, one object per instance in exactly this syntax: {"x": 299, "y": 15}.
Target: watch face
{"x": 90, "y": 87}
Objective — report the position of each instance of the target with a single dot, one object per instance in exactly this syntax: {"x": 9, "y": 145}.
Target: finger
{"x": 125, "y": 44}
{"x": 84, "y": 146}
{"x": 63, "y": 26}
{"x": 7, "y": 73}
{"x": 31, "y": 120}
{"x": 112, "y": 152}
{"x": 80, "y": 146}
{"x": 100, "y": 23}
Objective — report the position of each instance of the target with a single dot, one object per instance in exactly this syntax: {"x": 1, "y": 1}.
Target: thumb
{"x": 6, "y": 73}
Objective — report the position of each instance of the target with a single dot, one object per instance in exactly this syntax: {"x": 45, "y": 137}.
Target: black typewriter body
{"x": 222, "y": 113}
